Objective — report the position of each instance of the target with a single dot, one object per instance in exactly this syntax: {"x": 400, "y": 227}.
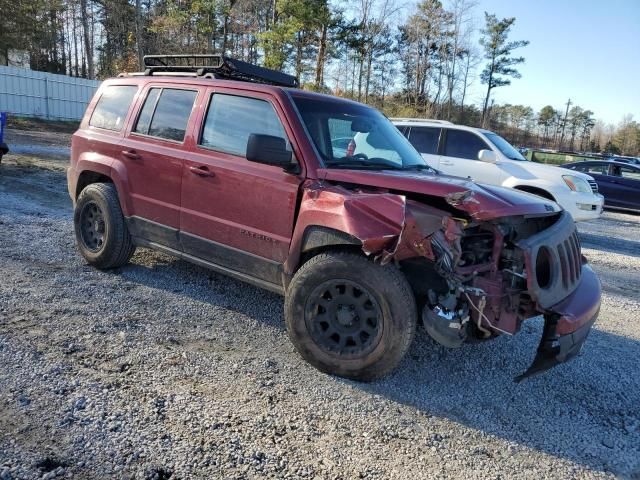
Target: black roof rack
{"x": 218, "y": 66}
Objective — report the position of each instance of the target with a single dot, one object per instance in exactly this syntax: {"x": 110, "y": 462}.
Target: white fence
{"x": 44, "y": 95}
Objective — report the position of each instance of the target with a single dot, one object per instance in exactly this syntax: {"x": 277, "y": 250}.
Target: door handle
{"x": 132, "y": 154}
{"x": 446, "y": 163}
{"x": 202, "y": 171}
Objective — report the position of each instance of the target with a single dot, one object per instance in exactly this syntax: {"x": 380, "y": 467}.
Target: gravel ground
{"x": 165, "y": 370}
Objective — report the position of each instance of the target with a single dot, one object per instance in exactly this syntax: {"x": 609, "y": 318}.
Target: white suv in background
{"x": 485, "y": 157}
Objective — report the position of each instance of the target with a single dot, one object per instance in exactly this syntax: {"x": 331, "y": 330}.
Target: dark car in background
{"x": 632, "y": 160}
{"x": 619, "y": 182}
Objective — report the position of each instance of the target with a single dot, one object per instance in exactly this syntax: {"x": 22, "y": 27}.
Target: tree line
{"x": 417, "y": 62}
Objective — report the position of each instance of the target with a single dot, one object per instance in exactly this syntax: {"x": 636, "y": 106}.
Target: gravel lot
{"x": 165, "y": 370}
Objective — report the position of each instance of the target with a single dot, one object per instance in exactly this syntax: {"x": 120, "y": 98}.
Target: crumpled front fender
{"x": 387, "y": 225}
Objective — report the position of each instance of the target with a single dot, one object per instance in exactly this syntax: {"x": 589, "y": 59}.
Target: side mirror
{"x": 487, "y": 156}
{"x": 269, "y": 150}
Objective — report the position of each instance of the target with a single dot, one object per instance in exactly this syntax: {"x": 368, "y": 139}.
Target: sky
{"x": 585, "y": 50}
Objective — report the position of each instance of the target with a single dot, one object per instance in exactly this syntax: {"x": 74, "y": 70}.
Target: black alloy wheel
{"x": 92, "y": 226}
{"x": 344, "y": 318}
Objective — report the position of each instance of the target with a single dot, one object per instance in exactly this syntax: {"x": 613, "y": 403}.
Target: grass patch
{"x": 29, "y": 123}
{"x": 555, "y": 158}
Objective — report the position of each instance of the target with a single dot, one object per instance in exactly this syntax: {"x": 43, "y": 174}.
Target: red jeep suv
{"x": 231, "y": 167}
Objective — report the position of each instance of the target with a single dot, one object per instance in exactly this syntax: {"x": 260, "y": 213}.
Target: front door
{"x": 236, "y": 213}
{"x": 625, "y": 183}
{"x": 460, "y": 158}
{"x": 153, "y": 151}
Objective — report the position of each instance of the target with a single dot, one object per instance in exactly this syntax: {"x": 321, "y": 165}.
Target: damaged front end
{"x": 502, "y": 272}
{"x": 475, "y": 275}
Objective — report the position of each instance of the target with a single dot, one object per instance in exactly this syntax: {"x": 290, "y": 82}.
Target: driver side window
{"x": 231, "y": 119}
{"x": 597, "y": 168}
{"x": 629, "y": 173}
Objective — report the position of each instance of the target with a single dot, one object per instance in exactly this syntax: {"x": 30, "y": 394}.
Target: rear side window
{"x": 425, "y": 139}
{"x": 462, "y": 144}
{"x": 599, "y": 168}
{"x": 111, "y": 110}
{"x": 165, "y": 113}
{"x": 231, "y": 119}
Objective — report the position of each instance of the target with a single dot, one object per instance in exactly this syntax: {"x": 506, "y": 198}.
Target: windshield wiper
{"x": 363, "y": 164}
{"x": 420, "y": 167}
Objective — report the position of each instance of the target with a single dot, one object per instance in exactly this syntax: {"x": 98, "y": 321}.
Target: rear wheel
{"x": 350, "y": 317}
{"x": 101, "y": 231}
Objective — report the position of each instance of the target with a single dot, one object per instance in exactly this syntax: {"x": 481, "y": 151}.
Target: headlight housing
{"x": 577, "y": 184}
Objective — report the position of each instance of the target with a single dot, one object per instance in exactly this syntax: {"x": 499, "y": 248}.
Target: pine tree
{"x": 499, "y": 70}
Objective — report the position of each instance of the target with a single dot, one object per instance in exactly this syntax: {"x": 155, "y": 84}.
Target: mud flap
{"x": 555, "y": 349}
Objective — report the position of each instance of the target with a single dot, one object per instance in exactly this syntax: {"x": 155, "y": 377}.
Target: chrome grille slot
{"x": 594, "y": 186}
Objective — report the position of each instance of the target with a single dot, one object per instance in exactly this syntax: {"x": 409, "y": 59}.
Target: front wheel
{"x": 101, "y": 231}
{"x": 350, "y": 317}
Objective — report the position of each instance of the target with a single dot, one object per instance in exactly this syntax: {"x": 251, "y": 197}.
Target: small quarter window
{"x": 111, "y": 110}
{"x": 165, "y": 113}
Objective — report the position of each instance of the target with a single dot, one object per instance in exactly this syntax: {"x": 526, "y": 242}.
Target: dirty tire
{"x": 116, "y": 247}
{"x": 387, "y": 288}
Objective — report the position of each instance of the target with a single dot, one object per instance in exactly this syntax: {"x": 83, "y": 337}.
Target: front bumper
{"x": 582, "y": 206}
{"x": 567, "y": 325}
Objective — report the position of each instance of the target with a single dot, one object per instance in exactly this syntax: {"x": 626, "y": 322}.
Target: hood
{"x": 481, "y": 202}
{"x": 541, "y": 170}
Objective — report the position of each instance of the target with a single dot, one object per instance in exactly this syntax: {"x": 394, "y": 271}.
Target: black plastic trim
{"x": 223, "y": 258}
{"x": 232, "y": 258}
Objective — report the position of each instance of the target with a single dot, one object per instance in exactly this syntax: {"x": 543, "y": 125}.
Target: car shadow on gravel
{"x": 610, "y": 244}
{"x": 202, "y": 285}
{"x": 621, "y": 284}
{"x": 585, "y": 411}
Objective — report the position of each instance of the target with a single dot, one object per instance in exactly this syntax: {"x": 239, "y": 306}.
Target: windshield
{"x": 505, "y": 147}
{"x": 350, "y": 135}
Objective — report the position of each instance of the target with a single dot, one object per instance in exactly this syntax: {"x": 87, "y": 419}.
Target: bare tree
{"x": 88, "y": 44}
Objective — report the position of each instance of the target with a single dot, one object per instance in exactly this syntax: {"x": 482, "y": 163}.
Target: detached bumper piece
{"x": 567, "y": 325}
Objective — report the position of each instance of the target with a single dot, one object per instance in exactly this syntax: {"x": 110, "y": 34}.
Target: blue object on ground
{"x": 3, "y": 123}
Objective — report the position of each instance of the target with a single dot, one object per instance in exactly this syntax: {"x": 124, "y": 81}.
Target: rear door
{"x": 460, "y": 157}
{"x": 626, "y": 180}
{"x": 236, "y": 213}
{"x": 153, "y": 150}
{"x": 425, "y": 140}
